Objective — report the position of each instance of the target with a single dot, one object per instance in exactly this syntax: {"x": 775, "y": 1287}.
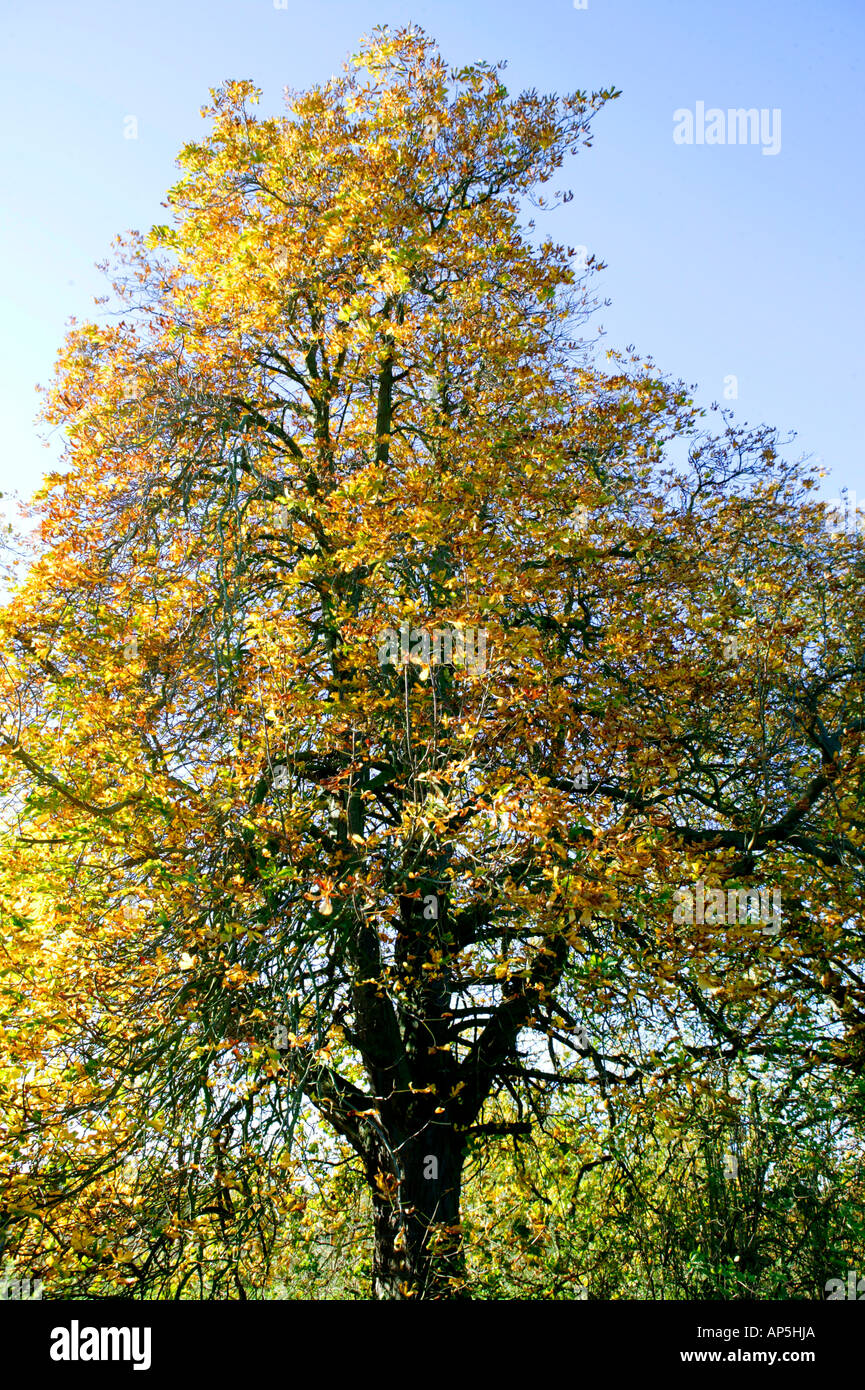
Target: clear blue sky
{"x": 722, "y": 260}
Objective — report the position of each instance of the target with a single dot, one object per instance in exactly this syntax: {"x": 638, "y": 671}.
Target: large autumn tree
{"x": 271, "y": 850}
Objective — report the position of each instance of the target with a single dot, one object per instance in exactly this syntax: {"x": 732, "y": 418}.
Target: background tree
{"x": 265, "y": 858}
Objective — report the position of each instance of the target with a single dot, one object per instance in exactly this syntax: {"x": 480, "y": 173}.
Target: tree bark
{"x": 417, "y": 1252}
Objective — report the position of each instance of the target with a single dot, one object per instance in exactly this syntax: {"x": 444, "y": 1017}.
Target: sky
{"x": 735, "y": 265}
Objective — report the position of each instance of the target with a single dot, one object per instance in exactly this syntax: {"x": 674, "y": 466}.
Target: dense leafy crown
{"x": 261, "y": 856}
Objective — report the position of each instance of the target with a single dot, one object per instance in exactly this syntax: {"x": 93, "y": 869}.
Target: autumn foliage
{"x": 262, "y": 890}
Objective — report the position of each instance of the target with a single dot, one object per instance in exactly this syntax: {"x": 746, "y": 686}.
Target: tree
{"x": 385, "y": 670}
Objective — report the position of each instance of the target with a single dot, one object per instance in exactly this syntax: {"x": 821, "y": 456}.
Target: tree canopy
{"x": 403, "y": 713}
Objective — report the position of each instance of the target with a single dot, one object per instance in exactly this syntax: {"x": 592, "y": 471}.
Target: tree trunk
{"x": 416, "y": 1213}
